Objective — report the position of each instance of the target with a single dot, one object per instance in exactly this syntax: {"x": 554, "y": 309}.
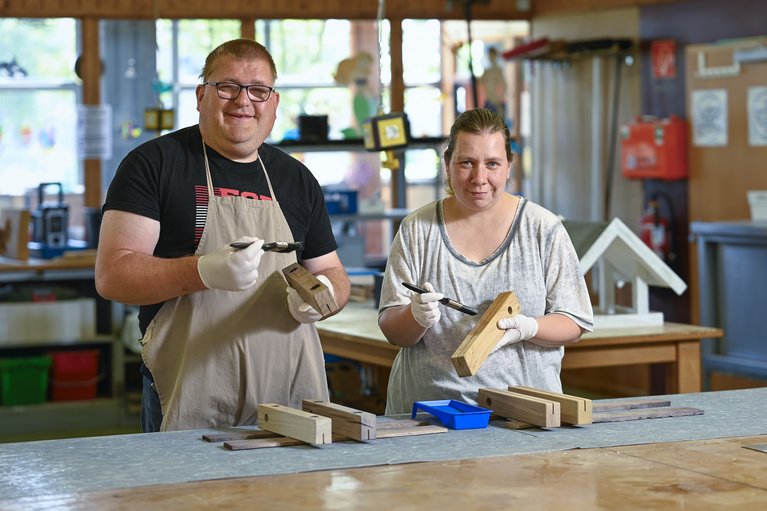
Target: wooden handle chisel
{"x": 274, "y": 246}
{"x": 445, "y": 301}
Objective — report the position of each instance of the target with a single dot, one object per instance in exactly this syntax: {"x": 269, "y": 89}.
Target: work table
{"x": 483, "y": 464}
{"x": 354, "y": 333}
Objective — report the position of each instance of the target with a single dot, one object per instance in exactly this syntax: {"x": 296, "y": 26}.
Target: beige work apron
{"x": 215, "y": 355}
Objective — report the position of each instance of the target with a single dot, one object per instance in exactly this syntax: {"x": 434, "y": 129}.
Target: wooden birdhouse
{"x": 616, "y": 261}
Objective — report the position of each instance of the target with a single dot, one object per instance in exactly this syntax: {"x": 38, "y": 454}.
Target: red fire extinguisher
{"x": 654, "y": 230}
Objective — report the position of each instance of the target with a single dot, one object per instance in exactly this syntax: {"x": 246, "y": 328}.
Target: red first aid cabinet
{"x": 654, "y": 148}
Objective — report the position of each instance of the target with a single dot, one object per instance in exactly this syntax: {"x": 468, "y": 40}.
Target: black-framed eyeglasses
{"x": 230, "y": 90}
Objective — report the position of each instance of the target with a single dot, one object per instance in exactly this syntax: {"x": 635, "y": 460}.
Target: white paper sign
{"x": 709, "y": 118}
{"x": 94, "y": 131}
{"x": 757, "y": 116}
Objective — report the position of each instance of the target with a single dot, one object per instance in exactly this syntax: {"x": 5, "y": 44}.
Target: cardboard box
{"x": 39, "y": 322}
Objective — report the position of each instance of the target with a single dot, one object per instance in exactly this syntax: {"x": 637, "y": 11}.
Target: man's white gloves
{"x": 518, "y": 328}
{"x": 231, "y": 269}
{"x": 425, "y": 306}
{"x": 302, "y": 311}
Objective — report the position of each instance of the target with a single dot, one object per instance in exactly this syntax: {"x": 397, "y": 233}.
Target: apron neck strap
{"x": 210, "y": 179}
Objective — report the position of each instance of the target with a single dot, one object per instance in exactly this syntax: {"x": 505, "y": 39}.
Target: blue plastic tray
{"x": 455, "y": 414}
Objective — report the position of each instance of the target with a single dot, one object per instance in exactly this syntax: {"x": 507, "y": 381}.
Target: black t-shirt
{"x": 164, "y": 179}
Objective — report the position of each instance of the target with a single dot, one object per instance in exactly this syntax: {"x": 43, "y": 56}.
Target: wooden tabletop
{"x": 685, "y": 462}
{"x": 85, "y": 259}
{"x": 709, "y": 474}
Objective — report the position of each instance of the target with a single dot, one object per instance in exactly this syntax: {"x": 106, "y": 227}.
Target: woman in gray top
{"x": 476, "y": 243}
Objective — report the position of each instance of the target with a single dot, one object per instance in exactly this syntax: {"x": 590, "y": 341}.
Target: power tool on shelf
{"x": 50, "y": 221}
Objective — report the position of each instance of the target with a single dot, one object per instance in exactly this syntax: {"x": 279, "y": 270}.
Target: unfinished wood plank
{"x": 387, "y": 423}
{"x": 512, "y": 405}
{"x": 241, "y": 434}
{"x": 628, "y": 404}
{"x": 475, "y": 348}
{"x": 311, "y": 289}
{"x": 262, "y": 443}
{"x": 644, "y": 413}
{"x": 346, "y": 421}
{"x": 411, "y": 431}
{"x": 308, "y": 427}
{"x": 281, "y": 441}
{"x": 511, "y": 424}
{"x": 573, "y": 409}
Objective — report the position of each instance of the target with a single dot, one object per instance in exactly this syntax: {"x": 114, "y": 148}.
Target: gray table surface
{"x": 124, "y": 461}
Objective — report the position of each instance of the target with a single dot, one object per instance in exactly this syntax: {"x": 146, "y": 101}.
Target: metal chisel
{"x": 445, "y": 301}
{"x": 274, "y": 246}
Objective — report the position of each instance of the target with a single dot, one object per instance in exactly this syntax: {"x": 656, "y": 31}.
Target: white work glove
{"x": 518, "y": 328}
{"x": 302, "y": 311}
{"x": 229, "y": 268}
{"x": 425, "y": 306}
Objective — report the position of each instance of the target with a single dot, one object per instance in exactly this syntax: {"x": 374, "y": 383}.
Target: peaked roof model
{"x": 623, "y": 250}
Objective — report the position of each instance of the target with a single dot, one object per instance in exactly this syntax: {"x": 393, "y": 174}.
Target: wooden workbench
{"x": 353, "y": 333}
{"x": 694, "y": 462}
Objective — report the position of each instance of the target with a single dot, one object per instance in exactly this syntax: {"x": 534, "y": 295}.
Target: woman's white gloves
{"x": 231, "y": 269}
{"x": 518, "y": 328}
{"x": 425, "y": 306}
{"x": 302, "y": 311}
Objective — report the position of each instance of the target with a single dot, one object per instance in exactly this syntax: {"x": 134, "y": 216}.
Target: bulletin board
{"x": 726, "y": 90}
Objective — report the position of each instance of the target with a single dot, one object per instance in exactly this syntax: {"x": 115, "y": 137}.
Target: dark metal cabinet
{"x": 732, "y": 274}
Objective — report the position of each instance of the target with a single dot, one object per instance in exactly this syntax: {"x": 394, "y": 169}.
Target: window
{"x": 182, "y": 46}
{"x": 38, "y": 105}
{"x": 307, "y": 54}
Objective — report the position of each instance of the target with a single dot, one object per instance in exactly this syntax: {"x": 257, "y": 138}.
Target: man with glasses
{"x": 221, "y": 333}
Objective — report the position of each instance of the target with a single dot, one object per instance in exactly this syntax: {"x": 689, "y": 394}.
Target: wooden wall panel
{"x": 721, "y": 176}
{"x": 273, "y": 9}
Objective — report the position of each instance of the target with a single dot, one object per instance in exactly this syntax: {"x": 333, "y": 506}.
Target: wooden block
{"x": 475, "y": 348}
{"x": 311, "y": 289}
{"x": 14, "y": 233}
{"x": 347, "y": 422}
{"x": 533, "y": 410}
{"x": 573, "y": 409}
{"x": 644, "y": 413}
{"x": 286, "y": 421}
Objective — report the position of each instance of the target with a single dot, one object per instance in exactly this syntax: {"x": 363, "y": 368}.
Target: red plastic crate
{"x": 75, "y": 375}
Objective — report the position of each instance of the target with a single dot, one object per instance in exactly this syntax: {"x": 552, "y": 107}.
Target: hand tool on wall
{"x": 445, "y": 301}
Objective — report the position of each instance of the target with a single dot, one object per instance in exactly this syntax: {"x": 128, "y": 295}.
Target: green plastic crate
{"x": 24, "y": 380}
